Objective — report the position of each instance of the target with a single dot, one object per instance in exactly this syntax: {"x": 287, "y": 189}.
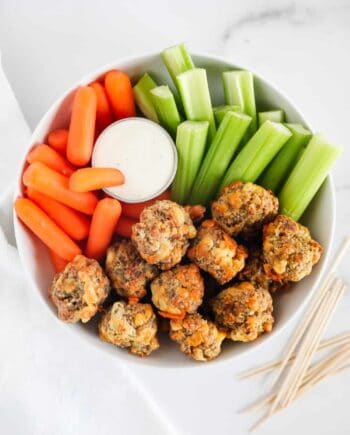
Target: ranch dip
{"x": 143, "y": 151}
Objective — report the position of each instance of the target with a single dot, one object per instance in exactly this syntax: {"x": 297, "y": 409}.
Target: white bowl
{"x": 320, "y": 216}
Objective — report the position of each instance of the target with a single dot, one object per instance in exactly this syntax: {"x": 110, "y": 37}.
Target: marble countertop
{"x": 300, "y": 46}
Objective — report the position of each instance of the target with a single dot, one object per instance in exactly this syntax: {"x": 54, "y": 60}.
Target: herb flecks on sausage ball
{"x": 289, "y": 251}
{"x": 243, "y": 208}
{"x": 198, "y": 338}
{"x": 128, "y": 272}
{"x": 163, "y": 233}
{"x": 255, "y": 273}
{"x": 132, "y": 326}
{"x": 216, "y": 252}
{"x": 245, "y": 311}
{"x": 179, "y": 290}
{"x": 79, "y": 290}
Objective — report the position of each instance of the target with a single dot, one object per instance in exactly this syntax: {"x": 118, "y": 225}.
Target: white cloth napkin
{"x": 43, "y": 388}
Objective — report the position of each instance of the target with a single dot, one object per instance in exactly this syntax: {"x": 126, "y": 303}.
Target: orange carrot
{"x": 103, "y": 111}
{"x": 49, "y": 182}
{"x": 75, "y": 224}
{"x": 104, "y": 221}
{"x": 134, "y": 210}
{"x": 46, "y": 229}
{"x": 120, "y": 94}
{"x": 171, "y": 316}
{"x": 82, "y": 127}
{"x": 58, "y": 262}
{"x": 124, "y": 226}
{"x": 58, "y": 139}
{"x": 87, "y": 179}
{"x": 196, "y": 212}
{"x": 51, "y": 158}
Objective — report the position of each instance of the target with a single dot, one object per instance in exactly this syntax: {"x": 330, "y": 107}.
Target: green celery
{"x": 191, "y": 140}
{"x": 271, "y": 115}
{"x": 177, "y": 60}
{"x": 142, "y": 96}
{"x": 195, "y": 96}
{"x": 239, "y": 90}
{"x": 281, "y": 166}
{"x": 164, "y": 102}
{"x": 308, "y": 176}
{"x": 257, "y": 153}
{"x": 220, "y": 112}
{"x": 220, "y": 153}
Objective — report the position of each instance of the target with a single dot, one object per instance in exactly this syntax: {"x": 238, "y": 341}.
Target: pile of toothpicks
{"x": 295, "y": 371}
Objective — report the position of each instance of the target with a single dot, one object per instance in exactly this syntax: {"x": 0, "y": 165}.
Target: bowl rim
{"x": 97, "y": 72}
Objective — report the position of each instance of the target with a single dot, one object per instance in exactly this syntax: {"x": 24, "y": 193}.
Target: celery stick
{"x": 194, "y": 92}
{"x": 257, "y": 153}
{"x": 220, "y": 112}
{"x": 281, "y": 166}
{"x": 218, "y": 157}
{"x": 177, "y": 60}
{"x": 239, "y": 90}
{"x": 308, "y": 176}
{"x": 191, "y": 139}
{"x": 165, "y": 105}
{"x": 143, "y": 98}
{"x": 271, "y": 115}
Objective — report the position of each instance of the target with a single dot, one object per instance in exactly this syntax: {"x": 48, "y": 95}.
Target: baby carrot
{"x": 103, "y": 111}
{"x": 134, "y": 210}
{"x": 104, "y": 221}
{"x": 51, "y": 158}
{"x": 82, "y": 127}
{"x": 57, "y": 140}
{"x": 87, "y": 179}
{"x": 59, "y": 263}
{"x": 51, "y": 183}
{"x": 120, "y": 94}
{"x": 124, "y": 226}
{"x": 75, "y": 224}
{"x": 171, "y": 316}
{"x": 46, "y": 229}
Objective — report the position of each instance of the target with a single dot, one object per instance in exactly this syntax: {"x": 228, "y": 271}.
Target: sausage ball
{"x": 245, "y": 311}
{"x": 128, "y": 272}
{"x": 289, "y": 251}
{"x": 255, "y": 273}
{"x": 198, "y": 338}
{"x": 163, "y": 233}
{"x": 179, "y": 290}
{"x": 132, "y": 326}
{"x": 216, "y": 252}
{"x": 79, "y": 290}
{"x": 243, "y": 208}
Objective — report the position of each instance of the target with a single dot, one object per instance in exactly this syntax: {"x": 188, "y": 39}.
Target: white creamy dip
{"x": 143, "y": 151}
